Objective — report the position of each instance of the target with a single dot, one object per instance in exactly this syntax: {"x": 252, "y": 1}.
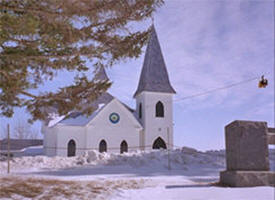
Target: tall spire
{"x": 154, "y": 75}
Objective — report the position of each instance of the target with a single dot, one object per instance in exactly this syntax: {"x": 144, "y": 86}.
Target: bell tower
{"x": 154, "y": 98}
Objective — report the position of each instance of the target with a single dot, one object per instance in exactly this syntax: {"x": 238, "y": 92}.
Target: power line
{"x": 216, "y": 89}
{"x": 211, "y": 91}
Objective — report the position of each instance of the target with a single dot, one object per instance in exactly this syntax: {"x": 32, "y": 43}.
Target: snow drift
{"x": 179, "y": 159}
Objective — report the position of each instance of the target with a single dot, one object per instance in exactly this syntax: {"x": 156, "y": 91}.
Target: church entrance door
{"x": 71, "y": 148}
{"x": 159, "y": 144}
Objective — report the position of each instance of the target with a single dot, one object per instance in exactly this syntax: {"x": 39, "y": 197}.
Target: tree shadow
{"x": 203, "y": 180}
{"x": 203, "y": 175}
{"x": 188, "y": 186}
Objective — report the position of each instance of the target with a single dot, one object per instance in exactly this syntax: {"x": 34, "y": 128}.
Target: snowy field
{"x": 189, "y": 174}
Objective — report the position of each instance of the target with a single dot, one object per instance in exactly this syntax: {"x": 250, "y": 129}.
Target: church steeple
{"x": 101, "y": 75}
{"x": 154, "y": 75}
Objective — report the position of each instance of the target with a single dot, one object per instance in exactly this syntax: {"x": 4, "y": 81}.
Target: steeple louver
{"x": 154, "y": 75}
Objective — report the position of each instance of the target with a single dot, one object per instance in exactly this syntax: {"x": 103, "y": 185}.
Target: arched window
{"x": 159, "y": 144}
{"x": 71, "y": 148}
{"x": 159, "y": 109}
{"x": 123, "y": 147}
{"x": 102, "y": 146}
{"x": 140, "y": 111}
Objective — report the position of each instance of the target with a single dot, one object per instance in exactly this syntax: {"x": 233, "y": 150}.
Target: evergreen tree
{"x": 40, "y": 38}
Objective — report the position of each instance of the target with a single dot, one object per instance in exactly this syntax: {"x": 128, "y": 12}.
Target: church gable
{"x": 113, "y": 114}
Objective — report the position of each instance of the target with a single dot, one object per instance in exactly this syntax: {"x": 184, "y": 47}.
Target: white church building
{"x": 113, "y": 126}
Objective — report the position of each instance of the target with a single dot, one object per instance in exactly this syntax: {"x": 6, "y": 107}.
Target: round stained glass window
{"x": 114, "y": 118}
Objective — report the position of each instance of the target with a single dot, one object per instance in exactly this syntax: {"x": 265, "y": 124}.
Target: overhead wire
{"x": 217, "y": 89}
{"x": 212, "y": 90}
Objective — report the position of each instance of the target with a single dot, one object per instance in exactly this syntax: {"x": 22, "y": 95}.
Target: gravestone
{"x": 247, "y": 162}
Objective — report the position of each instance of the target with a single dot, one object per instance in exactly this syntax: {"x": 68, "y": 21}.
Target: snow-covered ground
{"x": 197, "y": 192}
{"x": 187, "y": 174}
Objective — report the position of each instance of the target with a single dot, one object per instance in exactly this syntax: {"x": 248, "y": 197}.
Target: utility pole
{"x": 8, "y": 148}
{"x": 168, "y": 149}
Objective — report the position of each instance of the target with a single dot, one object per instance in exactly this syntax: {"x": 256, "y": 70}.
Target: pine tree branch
{"x": 5, "y": 74}
{"x": 31, "y": 10}
{"x": 29, "y": 95}
{"x": 63, "y": 13}
{"x": 37, "y": 11}
{"x": 21, "y": 91}
{"x": 39, "y": 38}
{"x": 48, "y": 56}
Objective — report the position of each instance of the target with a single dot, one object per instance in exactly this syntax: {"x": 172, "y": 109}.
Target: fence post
{"x": 8, "y": 148}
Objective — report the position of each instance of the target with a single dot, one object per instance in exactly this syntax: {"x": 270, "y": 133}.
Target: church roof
{"x": 79, "y": 119}
{"x": 73, "y": 117}
{"x": 154, "y": 75}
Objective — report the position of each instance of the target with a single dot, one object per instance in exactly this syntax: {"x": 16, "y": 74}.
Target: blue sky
{"x": 206, "y": 44}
